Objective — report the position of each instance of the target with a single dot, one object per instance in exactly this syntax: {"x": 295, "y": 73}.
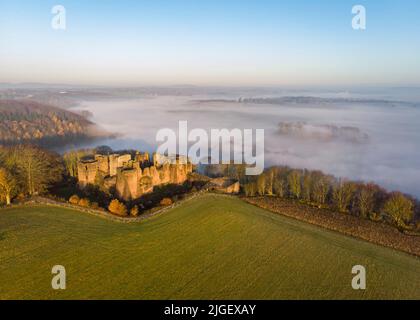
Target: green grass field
{"x": 211, "y": 247}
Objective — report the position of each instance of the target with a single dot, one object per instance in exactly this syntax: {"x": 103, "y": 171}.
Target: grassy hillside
{"x": 210, "y": 247}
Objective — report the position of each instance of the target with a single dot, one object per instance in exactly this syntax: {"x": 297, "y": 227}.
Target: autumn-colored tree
{"x": 293, "y": 180}
{"x": 279, "y": 187}
{"x": 134, "y": 212}
{"x": 261, "y": 184}
{"x": 74, "y": 199}
{"x": 250, "y": 189}
{"x": 321, "y": 188}
{"x": 231, "y": 171}
{"x": 94, "y": 205}
{"x": 84, "y": 202}
{"x": 400, "y": 209}
{"x": 280, "y": 181}
{"x": 117, "y": 207}
{"x": 365, "y": 199}
{"x": 71, "y": 158}
{"x": 166, "y": 202}
{"x": 307, "y": 186}
{"x": 269, "y": 181}
{"x": 343, "y": 192}
{"x": 35, "y": 169}
{"x": 7, "y": 185}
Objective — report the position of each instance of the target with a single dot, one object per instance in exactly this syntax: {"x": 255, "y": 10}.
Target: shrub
{"x": 118, "y": 208}
{"x": 166, "y": 202}
{"x": 400, "y": 209}
{"x": 94, "y": 205}
{"x": 134, "y": 212}
{"x": 20, "y": 197}
{"x": 375, "y": 216}
{"x": 84, "y": 202}
{"x": 74, "y": 199}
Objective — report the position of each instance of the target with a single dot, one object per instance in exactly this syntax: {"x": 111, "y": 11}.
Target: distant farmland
{"x": 211, "y": 247}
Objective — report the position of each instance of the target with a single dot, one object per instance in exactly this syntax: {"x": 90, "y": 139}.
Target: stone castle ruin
{"x": 133, "y": 175}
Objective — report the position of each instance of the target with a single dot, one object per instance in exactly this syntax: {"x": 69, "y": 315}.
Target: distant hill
{"x": 29, "y": 121}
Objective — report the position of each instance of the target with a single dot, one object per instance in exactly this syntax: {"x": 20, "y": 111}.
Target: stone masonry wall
{"x": 130, "y": 180}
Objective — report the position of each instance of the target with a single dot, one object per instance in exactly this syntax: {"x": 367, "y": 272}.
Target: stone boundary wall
{"x": 43, "y": 201}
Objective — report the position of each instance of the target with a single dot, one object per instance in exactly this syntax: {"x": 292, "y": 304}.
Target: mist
{"x": 369, "y": 141}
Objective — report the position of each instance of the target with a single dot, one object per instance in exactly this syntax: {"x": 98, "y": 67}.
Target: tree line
{"x": 30, "y": 121}
{"x": 365, "y": 200}
{"x": 27, "y": 170}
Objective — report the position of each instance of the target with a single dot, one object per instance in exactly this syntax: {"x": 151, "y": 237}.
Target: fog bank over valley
{"x": 371, "y": 137}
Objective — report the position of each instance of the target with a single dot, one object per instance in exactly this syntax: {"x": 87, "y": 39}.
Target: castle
{"x": 133, "y": 175}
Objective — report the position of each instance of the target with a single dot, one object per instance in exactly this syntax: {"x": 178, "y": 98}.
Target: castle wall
{"x": 103, "y": 163}
{"x": 224, "y": 185}
{"x": 127, "y": 184}
{"x": 154, "y": 175}
{"x": 86, "y": 172}
{"x": 110, "y": 182}
{"x": 142, "y": 157}
{"x": 126, "y": 175}
{"x": 123, "y": 160}
{"x": 233, "y": 188}
{"x": 145, "y": 185}
{"x": 161, "y": 159}
{"x": 113, "y": 164}
{"x": 179, "y": 173}
{"x": 164, "y": 174}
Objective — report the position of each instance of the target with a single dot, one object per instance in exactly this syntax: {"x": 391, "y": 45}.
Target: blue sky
{"x": 211, "y": 42}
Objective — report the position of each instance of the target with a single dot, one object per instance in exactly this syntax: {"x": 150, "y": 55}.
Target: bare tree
{"x": 7, "y": 185}
{"x": 321, "y": 188}
{"x": 35, "y": 169}
{"x": 261, "y": 184}
{"x": 365, "y": 199}
{"x": 307, "y": 186}
{"x": 293, "y": 180}
{"x": 343, "y": 192}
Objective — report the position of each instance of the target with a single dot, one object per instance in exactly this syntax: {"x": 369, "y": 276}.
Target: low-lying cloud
{"x": 322, "y": 132}
{"x": 359, "y": 140}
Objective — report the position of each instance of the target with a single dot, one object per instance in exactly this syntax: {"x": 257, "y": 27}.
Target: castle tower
{"x": 123, "y": 160}
{"x": 154, "y": 174}
{"x": 127, "y": 184}
{"x": 103, "y": 163}
{"x": 86, "y": 172}
{"x": 142, "y": 157}
{"x": 113, "y": 164}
